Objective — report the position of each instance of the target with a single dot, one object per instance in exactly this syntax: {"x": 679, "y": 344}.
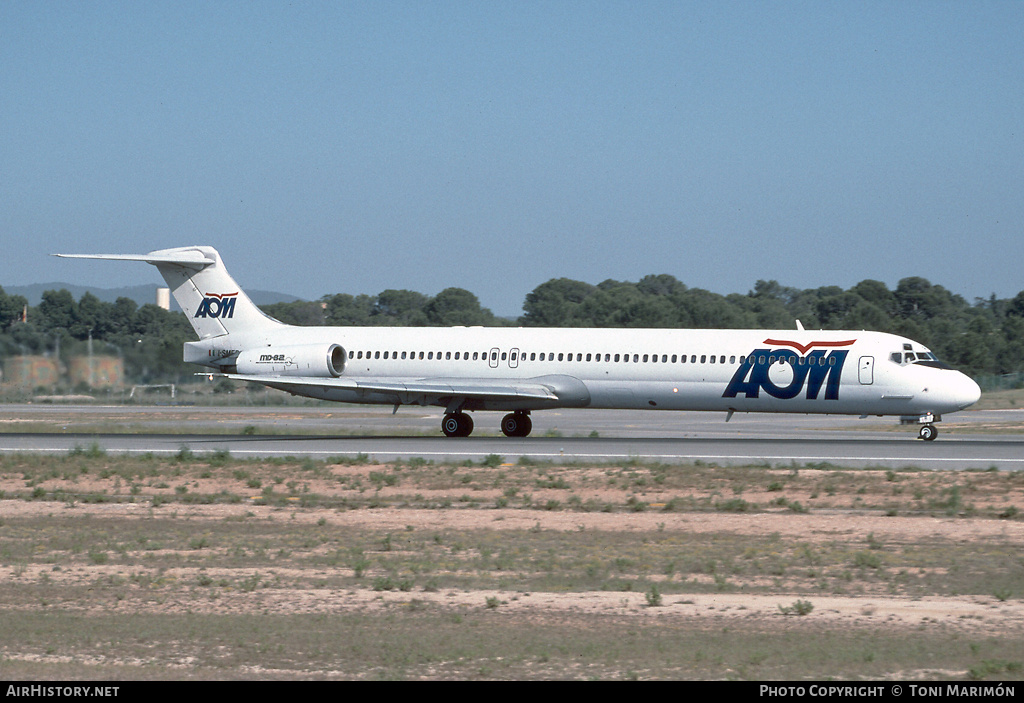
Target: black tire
{"x": 525, "y": 426}
{"x": 928, "y": 433}
{"x": 516, "y": 425}
{"x": 454, "y": 425}
{"x": 510, "y": 425}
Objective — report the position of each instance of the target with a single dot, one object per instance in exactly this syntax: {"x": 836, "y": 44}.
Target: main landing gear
{"x": 516, "y": 424}
{"x": 459, "y": 424}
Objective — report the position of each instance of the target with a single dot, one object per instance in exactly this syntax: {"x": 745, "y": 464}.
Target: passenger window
{"x": 732, "y": 359}
{"x": 703, "y": 358}
{"x": 712, "y": 358}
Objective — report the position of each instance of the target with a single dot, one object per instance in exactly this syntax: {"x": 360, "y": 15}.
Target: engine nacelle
{"x": 319, "y": 360}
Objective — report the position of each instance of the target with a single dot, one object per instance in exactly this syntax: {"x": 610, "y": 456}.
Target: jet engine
{"x": 317, "y": 360}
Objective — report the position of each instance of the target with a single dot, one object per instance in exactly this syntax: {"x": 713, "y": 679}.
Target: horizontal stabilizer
{"x": 192, "y": 258}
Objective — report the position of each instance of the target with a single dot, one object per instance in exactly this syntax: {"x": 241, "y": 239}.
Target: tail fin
{"x": 211, "y": 299}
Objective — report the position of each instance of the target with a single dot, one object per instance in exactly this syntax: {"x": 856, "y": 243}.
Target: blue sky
{"x": 329, "y": 147}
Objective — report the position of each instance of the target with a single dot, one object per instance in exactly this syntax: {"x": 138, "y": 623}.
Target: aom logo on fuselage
{"x": 813, "y": 369}
{"x": 220, "y": 305}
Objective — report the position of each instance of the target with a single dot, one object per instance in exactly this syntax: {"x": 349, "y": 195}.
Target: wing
{"x": 540, "y": 392}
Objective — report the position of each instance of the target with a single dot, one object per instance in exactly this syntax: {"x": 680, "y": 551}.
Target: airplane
{"x": 525, "y": 369}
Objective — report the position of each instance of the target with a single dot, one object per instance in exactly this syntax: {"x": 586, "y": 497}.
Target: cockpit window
{"x": 929, "y": 359}
{"x": 922, "y": 358}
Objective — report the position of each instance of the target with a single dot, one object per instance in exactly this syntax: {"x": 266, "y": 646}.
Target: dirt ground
{"x": 829, "y": 524}
{"x": 963, "y": 612}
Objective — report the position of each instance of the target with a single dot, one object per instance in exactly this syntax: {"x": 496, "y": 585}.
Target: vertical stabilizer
{"x": 207, "y": 294}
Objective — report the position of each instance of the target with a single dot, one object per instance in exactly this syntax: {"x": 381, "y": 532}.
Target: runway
{"x": 559, "y": 436}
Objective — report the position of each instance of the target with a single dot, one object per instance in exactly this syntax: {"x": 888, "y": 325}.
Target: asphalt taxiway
{"x": 977, "y": 440}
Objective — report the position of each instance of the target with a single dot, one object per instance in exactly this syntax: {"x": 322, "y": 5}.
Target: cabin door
{"x": 867, "y": 370}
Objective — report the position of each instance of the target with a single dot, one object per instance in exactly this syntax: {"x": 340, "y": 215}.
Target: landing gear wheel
{"x": 516, "y": 425}
{"x": 457, "y": 425}
{"x": 928, "y": 433}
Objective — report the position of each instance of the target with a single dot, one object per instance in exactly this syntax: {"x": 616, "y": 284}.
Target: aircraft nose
{"x": 967, "y": 392}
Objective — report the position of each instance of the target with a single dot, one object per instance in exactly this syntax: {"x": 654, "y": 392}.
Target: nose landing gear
{"x": 928, "y": 431}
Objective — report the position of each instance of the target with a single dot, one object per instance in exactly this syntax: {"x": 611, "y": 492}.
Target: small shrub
{"x": 799, "y": 607}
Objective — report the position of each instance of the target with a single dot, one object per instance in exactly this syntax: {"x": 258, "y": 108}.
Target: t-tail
{"x": 207, "y": 294}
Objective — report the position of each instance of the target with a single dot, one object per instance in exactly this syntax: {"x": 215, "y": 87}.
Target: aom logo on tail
{"x": 811, "y": 370}
{"x": 221, "y": 305}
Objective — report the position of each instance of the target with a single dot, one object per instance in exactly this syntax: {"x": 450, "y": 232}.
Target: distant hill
{"x": 140, "y": 294}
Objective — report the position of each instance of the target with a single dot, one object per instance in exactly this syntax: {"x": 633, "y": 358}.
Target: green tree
{"x": 556, "y": 304}
{"x": 456, "y": 306}
{"x": 57, "y": 310}
{"x": 11, "y": 308}
{"x": 402, "y": 307}
{"x": 344, "y": 309}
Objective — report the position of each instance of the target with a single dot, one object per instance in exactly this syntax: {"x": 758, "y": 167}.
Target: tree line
{"x": 983, "y": 338}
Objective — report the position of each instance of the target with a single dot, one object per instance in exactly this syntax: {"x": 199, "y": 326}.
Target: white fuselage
{"x": 798, "y": 371}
